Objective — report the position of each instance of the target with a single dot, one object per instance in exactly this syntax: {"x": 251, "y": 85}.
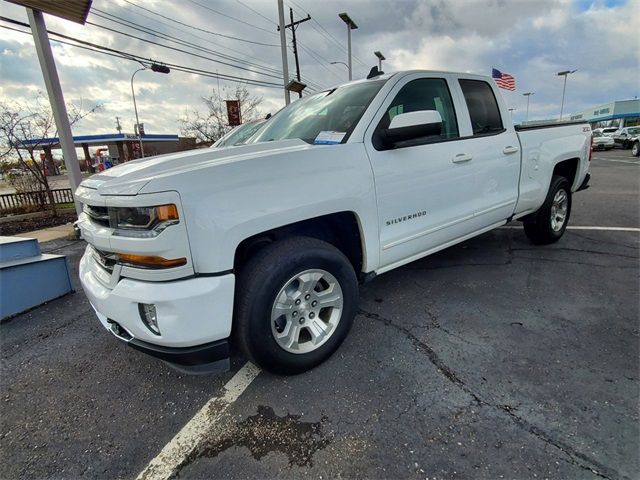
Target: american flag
{"x": 503, "y": 80}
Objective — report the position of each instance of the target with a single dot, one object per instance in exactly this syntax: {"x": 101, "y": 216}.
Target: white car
{"x": 606, "y": 131}
{"x": 623, "y": 137}
{"x": 602, "y": 142}
{"x": 264, "y": 244}
{"x": 239, "y": 135}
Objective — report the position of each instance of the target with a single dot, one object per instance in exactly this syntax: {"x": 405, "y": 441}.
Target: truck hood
{"x": 130, "y": 177}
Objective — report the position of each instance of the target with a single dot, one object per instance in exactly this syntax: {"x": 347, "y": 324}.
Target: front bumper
{"x": 192, "y": 314}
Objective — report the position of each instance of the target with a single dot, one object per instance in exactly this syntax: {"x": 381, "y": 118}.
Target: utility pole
{"x": 293, "y": 25}
{"x": 283, "y": 49}
{"x": 118, "y": 127}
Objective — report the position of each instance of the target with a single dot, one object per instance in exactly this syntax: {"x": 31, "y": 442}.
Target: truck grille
{"x": 99, "y": 215}
{"x": 106, "y": 260}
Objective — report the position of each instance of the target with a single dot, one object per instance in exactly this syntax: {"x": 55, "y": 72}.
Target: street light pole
{"x": 564, "y": 74}
{"x": 380, "y": 59}
{"x": 155, "y": 67}
{"x": 350, "y": 26}
{"x": 528, "y": 95}
{"x": 135, "y": 107}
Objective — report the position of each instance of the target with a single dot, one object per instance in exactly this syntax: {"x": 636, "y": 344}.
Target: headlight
{"x": 142, "y": 222}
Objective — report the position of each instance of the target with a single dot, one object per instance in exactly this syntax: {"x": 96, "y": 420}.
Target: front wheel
{"x": 548, "y": 224}
{"x": 295, "y": 303}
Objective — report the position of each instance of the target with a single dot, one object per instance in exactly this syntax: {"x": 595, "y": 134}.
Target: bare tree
{"x": 213, "y": 124}
{"x": 23, "y": 130}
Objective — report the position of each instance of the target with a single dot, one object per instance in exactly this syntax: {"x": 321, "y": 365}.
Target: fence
{"x": 12, "y": 202}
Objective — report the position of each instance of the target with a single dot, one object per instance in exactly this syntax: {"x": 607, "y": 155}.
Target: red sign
{"x": 233, "y": 112}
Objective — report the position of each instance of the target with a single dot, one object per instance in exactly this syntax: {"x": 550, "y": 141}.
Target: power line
{"x": 180, "y": 50}
{"x": 133, "y": 57}
{"x": 185, "y": 43}
{"x": 200, "y": 29}
{"x": 232, "y": 18}
{"x": 183, "y": 31}
{"x": 323, "y": 62}
{"x": 186, "y": 32}
{"x": 171, "y": 38}
{"x": 327, "y": 34}
{"x": 256, "y": 12}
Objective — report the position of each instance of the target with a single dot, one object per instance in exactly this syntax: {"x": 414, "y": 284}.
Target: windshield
{"x": 335, "y": 113}
{"x": 597, "y": 134}
{"x": 238, "y": 135}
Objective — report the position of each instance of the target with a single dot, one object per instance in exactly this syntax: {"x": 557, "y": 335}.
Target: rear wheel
{"x": 295, "y": 303}
{"x": 635, "y": 149}
{"x": 548, "y": 224}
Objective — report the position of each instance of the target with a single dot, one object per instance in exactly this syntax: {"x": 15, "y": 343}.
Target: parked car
{"x": 264, "y": 244}
{"x": 239, "y": 135}
{"x": 602, "y": 142}
{"x": 622, "y": 137}
{"x": 606, "y": 131}
{"x": 635, "y": 146}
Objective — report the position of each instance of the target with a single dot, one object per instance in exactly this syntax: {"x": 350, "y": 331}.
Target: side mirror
{"x": 413, "y": 125}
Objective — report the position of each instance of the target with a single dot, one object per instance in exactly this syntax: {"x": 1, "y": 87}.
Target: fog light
{"x": 149, "y": 317}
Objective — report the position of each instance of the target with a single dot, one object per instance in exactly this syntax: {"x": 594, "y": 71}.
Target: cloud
{"x": 530, "y": 39}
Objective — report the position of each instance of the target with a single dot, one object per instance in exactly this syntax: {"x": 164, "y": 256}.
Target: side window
{"x": 424, "y": 94}
{"x": 483, "y": 107}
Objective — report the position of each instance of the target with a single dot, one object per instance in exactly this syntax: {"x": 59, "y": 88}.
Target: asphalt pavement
{"x": 492, "y": 359}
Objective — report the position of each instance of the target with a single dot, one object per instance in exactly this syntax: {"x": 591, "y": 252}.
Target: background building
{"x": 625, "y": 113}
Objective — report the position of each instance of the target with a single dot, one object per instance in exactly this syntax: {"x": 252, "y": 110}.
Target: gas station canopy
{"x": 72, "y": 10}
{"x": 104, "y": 139}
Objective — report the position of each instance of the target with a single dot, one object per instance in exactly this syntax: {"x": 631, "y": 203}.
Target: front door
{"x": 427, "y": 189}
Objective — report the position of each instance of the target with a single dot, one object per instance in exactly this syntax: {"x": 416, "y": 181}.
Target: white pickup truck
{"x": 264, "y": 244}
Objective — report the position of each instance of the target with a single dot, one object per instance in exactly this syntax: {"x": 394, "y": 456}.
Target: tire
{"x": 287, "y": 271}
{"x": 544, "y": 226}
{"x": 635, "y": 149}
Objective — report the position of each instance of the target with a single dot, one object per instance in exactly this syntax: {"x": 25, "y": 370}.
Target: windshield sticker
{"x": 329, "y": 138}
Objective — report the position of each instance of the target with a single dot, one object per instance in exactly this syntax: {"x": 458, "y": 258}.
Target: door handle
{"x": 461, "y": 157}
{"x": 509, "y": 150}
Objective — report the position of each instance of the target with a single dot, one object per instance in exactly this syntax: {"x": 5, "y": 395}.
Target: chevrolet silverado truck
{"x": 264, "y": 245}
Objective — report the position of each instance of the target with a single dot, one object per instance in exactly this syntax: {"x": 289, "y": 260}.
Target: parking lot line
{"x": 606, "y": 229}
{"x": 584, "y": 227}
{"x": 203, "y": 423}
{"x": 632, "y": 162}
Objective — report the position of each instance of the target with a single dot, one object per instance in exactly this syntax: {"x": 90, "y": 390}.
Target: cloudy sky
{"x": 530, "y": 39}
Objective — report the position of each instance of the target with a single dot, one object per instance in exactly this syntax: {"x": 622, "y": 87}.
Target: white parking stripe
{"x": 579, "y": 227}
{"x": 606, "y": 229}
{"x": 205, "y": 422}
{"x": 618, "y": 161}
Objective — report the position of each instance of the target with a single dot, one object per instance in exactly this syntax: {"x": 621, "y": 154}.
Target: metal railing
{"x": 10, "y": 202}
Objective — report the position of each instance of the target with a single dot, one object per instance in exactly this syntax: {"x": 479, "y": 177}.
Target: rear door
{"x": 489, "y": 137}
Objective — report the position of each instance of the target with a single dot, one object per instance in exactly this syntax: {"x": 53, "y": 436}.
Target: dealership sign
{"x": 233, "y": 112}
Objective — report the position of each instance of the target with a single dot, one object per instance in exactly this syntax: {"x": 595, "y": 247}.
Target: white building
{"x": 625, "y": 113}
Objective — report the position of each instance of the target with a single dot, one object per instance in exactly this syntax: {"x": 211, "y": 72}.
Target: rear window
{"x": 483, "y": 107}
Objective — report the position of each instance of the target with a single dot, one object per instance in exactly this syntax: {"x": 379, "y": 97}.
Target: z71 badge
{"x": 411, "y": 216}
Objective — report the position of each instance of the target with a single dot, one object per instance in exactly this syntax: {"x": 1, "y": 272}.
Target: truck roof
{"x": 388, "y": 75}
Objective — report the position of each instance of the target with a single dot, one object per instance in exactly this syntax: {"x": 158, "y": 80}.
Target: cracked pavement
{"x": 492, "y": 359}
